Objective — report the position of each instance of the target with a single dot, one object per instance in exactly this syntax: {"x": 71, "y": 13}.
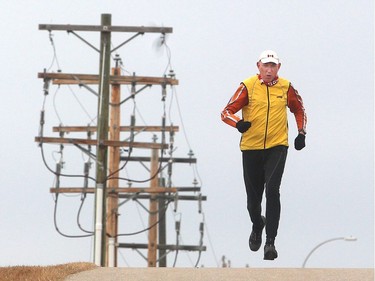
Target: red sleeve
{"x": 295, "y": 105}
{"x": 235, "y": 104}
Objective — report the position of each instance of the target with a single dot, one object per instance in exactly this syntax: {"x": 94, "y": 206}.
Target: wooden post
{"x": 114, "y": 164}
{"x": 102, "y": 133}
{"x": 162, "y": 226}
{"x": 153, "y": 217}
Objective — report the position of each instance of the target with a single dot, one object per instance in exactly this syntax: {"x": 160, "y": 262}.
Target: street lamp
{"x": 349, "y": 238}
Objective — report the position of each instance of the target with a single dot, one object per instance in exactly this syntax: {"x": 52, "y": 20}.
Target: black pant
{"x": 263, "y": 169}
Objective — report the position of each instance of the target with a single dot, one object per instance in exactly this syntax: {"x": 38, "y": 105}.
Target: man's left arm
{"x": 295, "y": 104}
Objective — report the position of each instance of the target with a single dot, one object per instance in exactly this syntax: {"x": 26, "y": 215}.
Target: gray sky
{"x": 327, "y": 51}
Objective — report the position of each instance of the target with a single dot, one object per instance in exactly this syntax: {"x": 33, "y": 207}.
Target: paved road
{"x": 223, "y": 274}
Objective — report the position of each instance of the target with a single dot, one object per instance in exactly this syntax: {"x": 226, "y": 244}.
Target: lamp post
{"x": 349, "y": 238}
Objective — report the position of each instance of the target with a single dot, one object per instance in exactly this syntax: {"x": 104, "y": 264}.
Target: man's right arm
{"x": 235, "y": 104}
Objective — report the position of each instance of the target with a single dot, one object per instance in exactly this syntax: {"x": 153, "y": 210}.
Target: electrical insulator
{"x": 191, "y": 153}
{"x": 195, "y": 182}
{"x": 46, "y": 87}
{"x": 175, "y": 202}
{"x": 132, "y": 121}
{"x": 171, "y": 137}
{"x": 118, "y": 60}
{"x": 41, "y": 122}
{"x": 200, "y": 203}
{"x": 163, "y": 92}
{"x": 170, "y": 167}
{"x": 201, "y": 227}
{"x": 86, "y": 168}
{"x": 61, "y": 134}
{"x": 163, "y": 129}
{"x": 132, "y": 124}
{"x": 46, "y": 84}
{"x": 171, "y": 73}
{"x": 86, "y": 171}
{"x": 161, "y": 181}
{"x": 178, "y": 226}
{"x": 58, "y": 172}
{"x": 58, "y": 169}
{"x": 133, "y": 92}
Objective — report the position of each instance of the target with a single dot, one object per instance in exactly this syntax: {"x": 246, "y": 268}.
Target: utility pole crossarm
{"x": 102, "y": 142}
{"x": 166, "y": 197}
{"x": 158, "y": 189}
{"x": 67, "y": 129}
{"x": 164, "y": 247}
{"x": 117, "y": 190}
{"x": 78, "y": 79}
{"x": 166, "y": 159}
{"x": 105, "y": 28}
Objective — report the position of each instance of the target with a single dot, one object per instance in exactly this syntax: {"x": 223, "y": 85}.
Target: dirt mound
{"x": 43, "y": 273}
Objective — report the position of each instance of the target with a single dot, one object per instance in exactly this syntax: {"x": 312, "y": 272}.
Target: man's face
{"x": 268, "y": 71}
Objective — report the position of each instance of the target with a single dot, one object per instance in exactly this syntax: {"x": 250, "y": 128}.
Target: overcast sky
{"x": 327, "y": 51}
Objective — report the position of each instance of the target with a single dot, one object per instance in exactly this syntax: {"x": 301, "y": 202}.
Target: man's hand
{"x": 243, "y": 126}
{"x": 299, "y": 142}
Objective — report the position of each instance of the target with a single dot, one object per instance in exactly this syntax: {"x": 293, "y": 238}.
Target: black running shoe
{"x": 255, "y": 239}
{"x": 270, "y": 252}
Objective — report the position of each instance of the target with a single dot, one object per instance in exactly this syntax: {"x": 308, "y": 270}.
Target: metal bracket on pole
{"x": 127, "y": 41}
{"x": 136, "y": 92}
{"x": 85, "y": 86}
{"x": 92, "y": 46}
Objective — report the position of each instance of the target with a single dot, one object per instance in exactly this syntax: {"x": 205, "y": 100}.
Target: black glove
{"x": 243, "y": 126}
{"x": 299, "y": 142}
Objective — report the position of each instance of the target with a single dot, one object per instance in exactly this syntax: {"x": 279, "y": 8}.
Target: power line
{"x": 54, "y": 58}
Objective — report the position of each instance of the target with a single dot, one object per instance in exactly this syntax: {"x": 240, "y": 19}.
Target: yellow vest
{"x": 267, "y": 113}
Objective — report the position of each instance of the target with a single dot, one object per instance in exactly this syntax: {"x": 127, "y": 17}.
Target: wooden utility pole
{"x": 153, "y": 209}
{"x": 102, "y": 133}
{"x": 114, "y": 163}
{"x": 162, "y": 226}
